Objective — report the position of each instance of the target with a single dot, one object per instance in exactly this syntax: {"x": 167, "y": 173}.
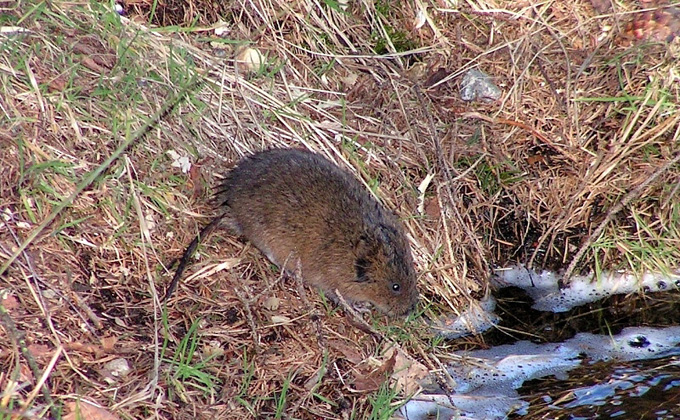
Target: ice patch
{"x": 544, "y": 290}
{"x": 486, "y": 380}
{"x": 477, "y": 318}
{"x": 507, "y": 367}
{"x": 633, "y": 343}
{"x": 463, "y": 407}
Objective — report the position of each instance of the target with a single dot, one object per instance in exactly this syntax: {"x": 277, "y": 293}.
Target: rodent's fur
{"x": 296, "y": 205}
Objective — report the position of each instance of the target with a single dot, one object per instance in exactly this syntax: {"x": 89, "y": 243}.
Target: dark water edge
{"x": 648, "y": 389}
{"x": 608, "y": 316}
{"x": 637, "y": 390}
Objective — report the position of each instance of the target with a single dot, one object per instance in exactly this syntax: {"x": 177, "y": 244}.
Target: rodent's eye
{"x": 396, "y": 287}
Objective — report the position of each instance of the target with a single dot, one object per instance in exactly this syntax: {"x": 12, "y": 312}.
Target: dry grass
{"x": 585, "y": 118}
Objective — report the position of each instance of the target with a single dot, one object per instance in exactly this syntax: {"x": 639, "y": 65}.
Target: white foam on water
{"x": 486, "y": 382}
{"x": 477, "y": 318}
{"x": 544, "y": 290}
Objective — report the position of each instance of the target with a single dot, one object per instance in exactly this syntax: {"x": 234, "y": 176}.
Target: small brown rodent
{"x": 296, "y": 205}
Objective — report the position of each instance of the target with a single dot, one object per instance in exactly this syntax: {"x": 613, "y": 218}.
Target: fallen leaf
{"x": 421, "y": 17}
{"x": 272, "y": 303}
{"x": 432, "y": 209}
{"x": 408, "y": 373}
{"x": 601, "y": 6}
{"x": 281, "y": 319}
{"x": 436, "y": 77}
{"x": 349, "y": 79}
{"x": 85, "y": 348}
{"x": 348, "y": 351}
{"x": 12, "y": 30}
{"x": 250, "y": 58}
{"x": 108, "y": 343}
{"x": 221, "y": 29}
{"x": 369, "y": 381}
{"x": 532, "y": 160}
{"x": 92, "y": 65}
{"x": 83, "y": 410}
{"x": 95, "y": 50}
{"x": 39, "y": 351}
{"x": 422, "y": 188}
{"x": 10, "y": 302}
{"x": 114, "y": 370}
{"x": 25, "y": 374}
{"x": 195, "y": 175}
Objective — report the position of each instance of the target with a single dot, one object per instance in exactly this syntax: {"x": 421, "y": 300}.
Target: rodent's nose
{"x": 410, "y": 309}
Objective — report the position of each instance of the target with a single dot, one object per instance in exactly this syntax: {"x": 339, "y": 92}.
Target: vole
{"x": 295, "y": 205}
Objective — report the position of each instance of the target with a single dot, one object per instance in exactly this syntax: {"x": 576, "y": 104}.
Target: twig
{"x": 313, "y": 313}
{"x": 612, "y": 212}
{"x": 18, "y": 338}
{"x": 85, "y": 308}
{"x": 251, "y": 320}
{"x": 446, "y": 172}
{"x": 92, "y": 176}
{"x": 39, "y": 282}
{"x": 152, "y": 385}
{"x": 359, "y": 320}
{"x": 43, "y": 378}
{"x": 523, "y": 126}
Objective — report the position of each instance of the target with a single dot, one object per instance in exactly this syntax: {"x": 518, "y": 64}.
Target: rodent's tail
{"x": 188, "y": 254}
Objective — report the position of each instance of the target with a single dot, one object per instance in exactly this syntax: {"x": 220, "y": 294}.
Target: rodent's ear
{"x": 361, "y": 266}
{"x": 365, "y": 246}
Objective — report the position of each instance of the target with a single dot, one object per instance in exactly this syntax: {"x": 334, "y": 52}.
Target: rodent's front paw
{"x": 362, "y": 307}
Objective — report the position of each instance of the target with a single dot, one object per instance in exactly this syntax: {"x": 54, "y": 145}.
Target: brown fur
{"x": 296, "y": 205}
